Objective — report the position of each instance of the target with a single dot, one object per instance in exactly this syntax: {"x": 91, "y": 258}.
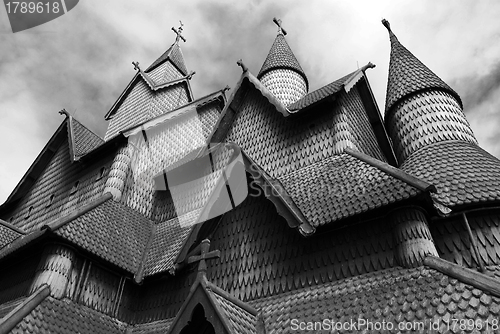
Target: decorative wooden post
{"x": 54, "y": 269}
{"x": 413, "y": 239}
{"x": 204, "y": 255}
{"x": 118, "y": 173}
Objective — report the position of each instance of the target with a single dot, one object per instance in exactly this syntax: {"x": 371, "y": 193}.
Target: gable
{"x": 141, "y": 103}
{"x": 61, "y": 187}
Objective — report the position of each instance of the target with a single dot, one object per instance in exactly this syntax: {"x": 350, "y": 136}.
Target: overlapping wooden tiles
{"x": 7, "y": 235}
{"x": 398, "y": 296}
{"x": 409, "y": 75}
{"x": 84, "y": 139}
{"x": 283, "y": 145}
{"x": 63, "y": 316}
{"x": 262, "y": 256}
{"x": 155, "y": 299}
{"x": 164, "y": 73}
{"x": 142, "y": 104}
{"x": 342, "y": 186}
{"x": 453, "y": 242}
{"x": 426, "y": 118}
{"x": 287, "y": 85}
{"x": 166, "y": 144}
{"x": 56, "y": 192}
{"x": 462, "y": 172}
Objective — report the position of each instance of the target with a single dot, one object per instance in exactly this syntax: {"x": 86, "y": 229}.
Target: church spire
{"x": 281, "y": 73}
{"x": 420, "y": 108}
{"x": 173, "y": 53}
{"x": 407, "y": 74}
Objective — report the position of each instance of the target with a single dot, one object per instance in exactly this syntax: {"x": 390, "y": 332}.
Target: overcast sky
{"x": 82, "y": 60}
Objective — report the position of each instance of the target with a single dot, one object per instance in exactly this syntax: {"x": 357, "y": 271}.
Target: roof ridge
{"x": 61, "y": 221}
{"x": 8, "y": 322}
{"x": 13, "y": 227}
{"x": 196, "y": 103}
{"x": 150, "y": 83}
{"x": 392, "y": 171}
{"x": 139, "y": 274}
{"x": 238, "y": 302}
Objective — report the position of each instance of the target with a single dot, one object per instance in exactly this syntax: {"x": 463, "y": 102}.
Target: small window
{"x": 101, "y": 173}
{"x": 29, "y": 212}
{"x": 50, "y": 201}
{"x": 75, "y": 188}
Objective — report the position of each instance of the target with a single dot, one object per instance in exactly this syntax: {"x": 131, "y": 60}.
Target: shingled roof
{"x": 462, "y": 172}
{"x": 64, "y": 316}
{"x": 281, "y": 56}
{"x": 408, "y": 75}
{"x": 8, "y": 233}
{"x": 174, "y": 54}
{"x": 341, "y": 186}
{"x": 112, "y": 231}
{"x": 393, "y": 295}
{"x": 82, "y": 140}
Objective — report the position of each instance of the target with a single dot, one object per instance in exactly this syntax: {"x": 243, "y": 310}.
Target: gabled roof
{"x": 462, "y": 172}
{"x": 168, "y": 239}
{"x": 408, "y": 75}
{"x": 281, "y": 56}
{"x": 226, "y": 313}
{"x": 348, "y": 184}
{"x": 110, "y": 230}
{"x": 152, "y": 86}
{"x": 81, "y": 141}
{"x": 174, "y": 54}
{"x": 248, "y": 80}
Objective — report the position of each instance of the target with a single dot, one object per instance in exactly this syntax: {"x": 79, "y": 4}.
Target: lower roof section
{"x": 462, "y": 172}
{"x": 419, "y": 298}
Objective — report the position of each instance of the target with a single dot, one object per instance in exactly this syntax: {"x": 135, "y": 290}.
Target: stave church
{"x": 265, "y": 208}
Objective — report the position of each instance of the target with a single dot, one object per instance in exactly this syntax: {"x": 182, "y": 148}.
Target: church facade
{"x": 265, "y": 208}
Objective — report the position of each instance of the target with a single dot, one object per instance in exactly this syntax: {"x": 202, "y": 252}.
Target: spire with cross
{"x": 204, "y": 255}
{"x": 178, "y": 32}
{"x": 280, "y": 28}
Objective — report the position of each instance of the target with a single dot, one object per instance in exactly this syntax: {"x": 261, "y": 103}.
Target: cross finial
{"x": 136, "y": 65}
{"x": 204, "y": 255}
{"x": 280, "y": 28}
{"x": 178, "y": 32}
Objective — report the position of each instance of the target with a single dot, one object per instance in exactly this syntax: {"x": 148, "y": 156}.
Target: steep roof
{"x": 462, "y": 172}
{"x": 174, "y": 54}
{"x": 281, "y": 56}
{"x": 81, "y": 142}
{"x": 408, "y": 75}
{"x": 82, "y": 139}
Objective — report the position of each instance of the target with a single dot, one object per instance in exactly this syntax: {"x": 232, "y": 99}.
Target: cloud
{"x": 82, "y": 60}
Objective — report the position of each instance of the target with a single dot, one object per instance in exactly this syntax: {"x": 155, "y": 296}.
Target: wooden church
{"x": 265, "y": 208}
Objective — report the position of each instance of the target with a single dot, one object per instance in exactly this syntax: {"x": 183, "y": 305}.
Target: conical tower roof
{"x": 281, "y": 57}
{"x": 408, "y": 75}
